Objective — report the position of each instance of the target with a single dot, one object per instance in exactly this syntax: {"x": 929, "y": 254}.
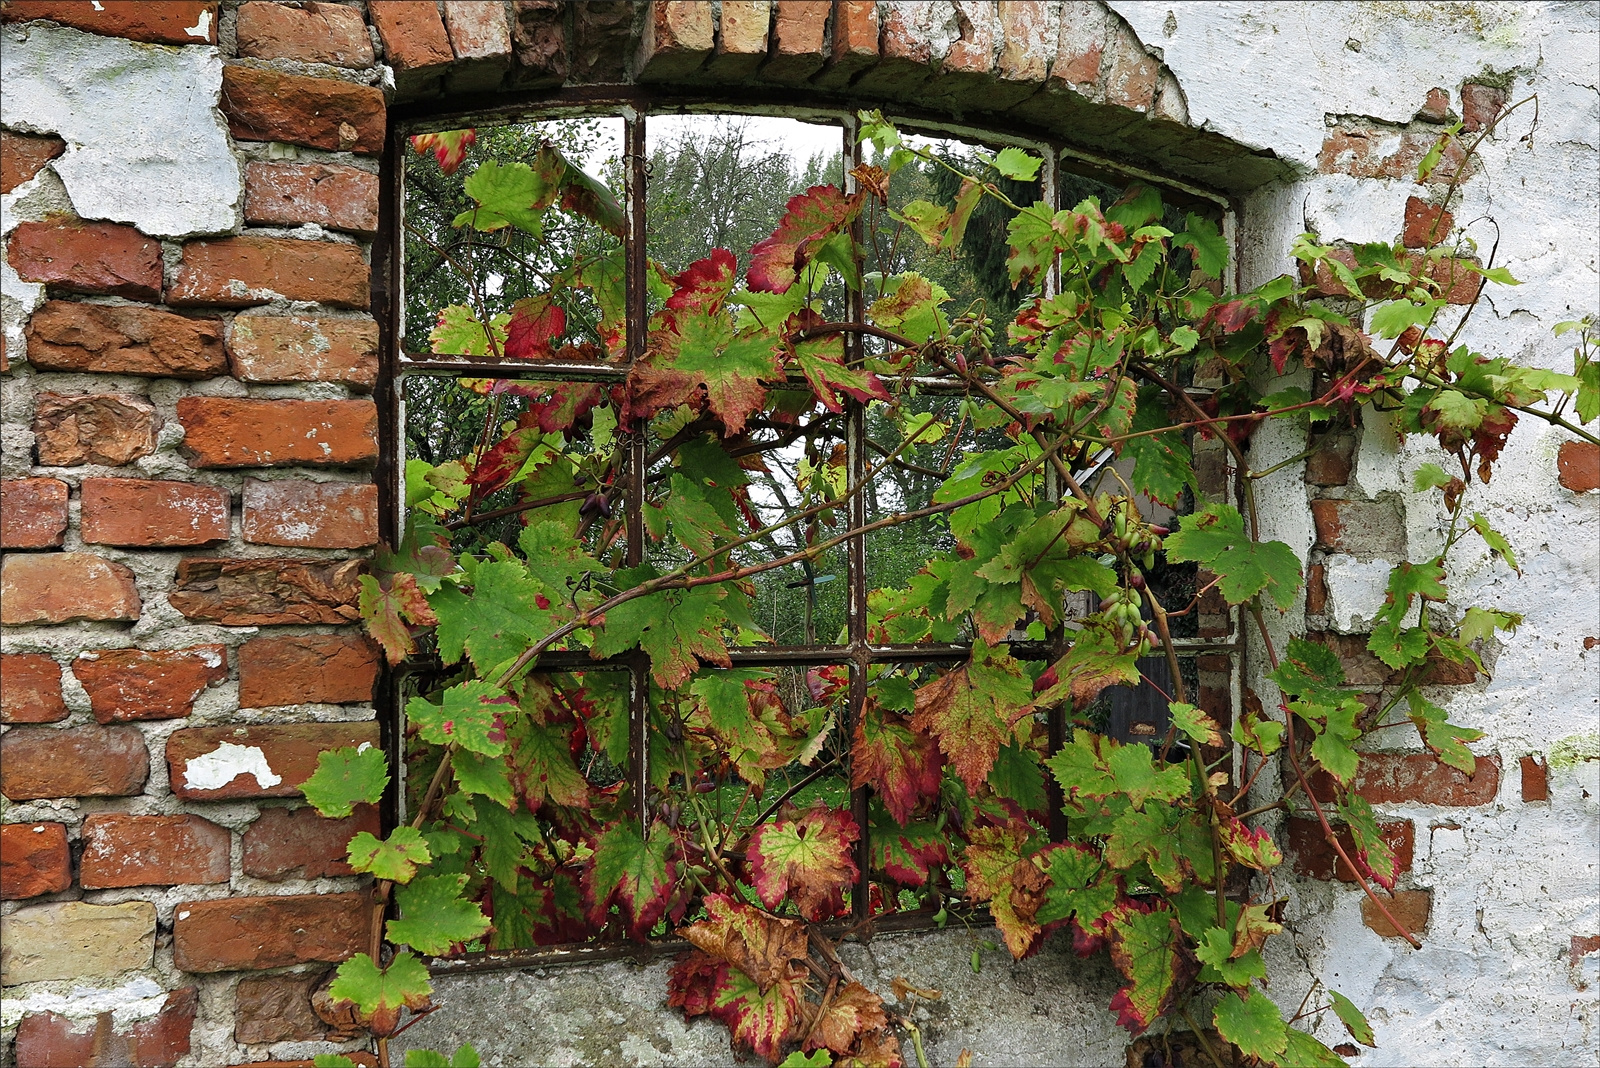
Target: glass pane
{"x": 959, "y": 261}
{"x": 722, "y": 181}
{"x": 488, "y": 459}
{"x": 514, "y": 242}
{"x": 917, "y": 446}
{"x": 705, "y": 491}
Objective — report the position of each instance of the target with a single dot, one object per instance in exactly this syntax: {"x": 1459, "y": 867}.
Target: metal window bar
{"x": 858, "y": 652}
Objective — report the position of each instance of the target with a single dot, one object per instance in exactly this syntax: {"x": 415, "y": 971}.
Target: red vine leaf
{"x": 972, "y": 709}
{"x": 692, "y": 982}
{"x": 696, "y": 358}
{"x": 1252, "y": 847}
{"x": 633, "y": 872}
{"x": 999, "y": 870}
{"x": 1147, "y": 946}
{"x": 905, "y": 852}
{"x": 388, "y": 610}
{"x": 805, "y": 860}
{"x": 811, "y": 219}
{"x": 902, "y": 765}
{"x": 822, "y": 362}
{"x": 762, "y": 947}
{"x": 501, "y": 462}
{"x": 449, "y": 147}
{"x": 535, "y": 323}
{"x": 760, "y": 1021}
{"x": 853, "y": 1012}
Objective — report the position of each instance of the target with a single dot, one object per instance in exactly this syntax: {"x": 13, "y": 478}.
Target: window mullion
{"x": 635, "y": 295}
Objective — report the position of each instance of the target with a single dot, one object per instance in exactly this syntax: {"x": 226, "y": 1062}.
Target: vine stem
{"x": 1316, "y": 808}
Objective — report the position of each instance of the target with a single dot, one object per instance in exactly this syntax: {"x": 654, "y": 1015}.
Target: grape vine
{"x": 524, "y": 831}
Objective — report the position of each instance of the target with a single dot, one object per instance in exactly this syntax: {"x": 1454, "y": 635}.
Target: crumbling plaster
{"x": 1512, "y": 882}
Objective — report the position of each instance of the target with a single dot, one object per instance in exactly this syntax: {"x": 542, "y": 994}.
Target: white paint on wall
{"x": 138, "y": 999}
{"x": 145, "y": 143}
{"x": 216, "y": 769}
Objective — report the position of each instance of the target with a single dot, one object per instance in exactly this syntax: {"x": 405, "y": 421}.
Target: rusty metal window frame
{"x": 634, "y": 108}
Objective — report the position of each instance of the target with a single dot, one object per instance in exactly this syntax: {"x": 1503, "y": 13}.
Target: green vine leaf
{"x": 346, "y": 778}
{"x": 380, "y": 994}
{"x": 1215, "y": 949}
{"x": 395, "y": 858}
{"x": 470, "y": 716}
{"x": 1353, "y": 1019}
{"x": 634, "y": 872}
{"x": 1148, "y": 949}
{"x": 434, "y": 915}
{"x": 1215, "y": 538}
{"x": 1252, "y": 1023}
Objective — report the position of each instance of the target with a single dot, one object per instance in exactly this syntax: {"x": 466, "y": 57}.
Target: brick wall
{"x": 190, "y": 433}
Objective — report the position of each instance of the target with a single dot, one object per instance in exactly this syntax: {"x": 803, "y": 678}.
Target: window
{"x": 577, "y": 374}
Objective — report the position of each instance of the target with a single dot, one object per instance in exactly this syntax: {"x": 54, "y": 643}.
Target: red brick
{"x": 1314, "y": 858}
{"x": 477, "y": 28}
{"x": 106, "y": 429}
{"x": 1581, "y": 946}
{"x": 412, "y": 32}
{"x": 855, "y": 42}
{"x": 130, "y": 684}
{"x": 258, "y": 593}
{"x": 273, "y": 760}
{"x": 87, "y": 257}
{"x": 241, "y": 432}
{"x": 677, "y": 40}
{"x": 121, "y": 850}
{"x": 1316, "y": 590}
{"x": 1480, "y": 105}
{"x": 332, "y": 669}
{"x": 64, "y": 588}
{"x": 312, "y": 33}
{"x": 273, "y": 348}
{"x": 1426, "y": 224}
{"x": 78, "y": 762}
{"x": 288, "y": 194}
{"x": 1436, "y": 107}
{"x": 311, "y": 515}
{"x": 1396, "y": 778}
{"x": 254, "y": 933}
{"x": 1535, "y": 779}
{"x": 30, "y": 689}
{"x": 1361, "y": 528}
{"x": 157, "y": 21}
{"x": 1080, "y": 51}
{"x": 1410, "y": 907}
{"x": 33, "y": 513}
{"x": 539, "y": 40}
{"x": 1132, "y": 75}
{"x": 139, "y": 512}
{"x": 1331, "y": 464}
{"x": 269, "y": 105}
{"x": 124, "y": 339}
{"x": 34, "y": 860}
{"x": 276, "y": 1008}
{"x": 24, "y": 155}
{"x": 45, "y": 1040}
{"x": 602, "y": 38}
{"x": 1354, "y": 150}
{"x": 741, "y": 38}
{"x": 1028, "y": 42}
{"x": 1579, "y": 465}
{"x": 799, "y": 40}
{"x": 299, "y": 844}
{"x": 237, "y": 272}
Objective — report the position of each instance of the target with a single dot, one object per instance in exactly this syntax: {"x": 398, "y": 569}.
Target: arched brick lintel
{"x": 1072, "y": 70}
